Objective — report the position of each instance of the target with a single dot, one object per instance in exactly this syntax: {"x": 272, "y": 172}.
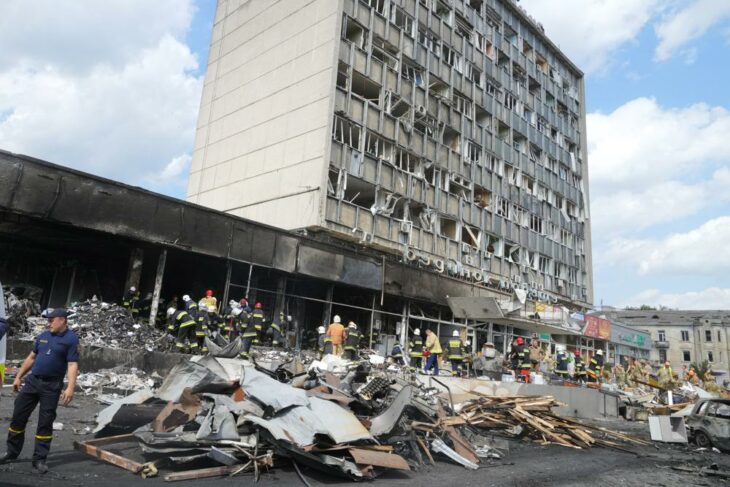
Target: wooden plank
{"x": 378, "y": 459}
{"x": 110, "y": 440}
{"x": 202, "y": 473}
{"x": 425, "y": 449}
{"x": 109, "y": 457}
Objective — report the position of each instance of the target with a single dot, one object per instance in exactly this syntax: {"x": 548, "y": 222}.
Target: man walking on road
{"x": 54, "y": 355}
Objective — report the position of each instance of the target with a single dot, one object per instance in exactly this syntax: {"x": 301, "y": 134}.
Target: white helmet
{"x": 417, "y": 332}
{"x": 186, "y": 298}
{"x": 132, "y": 288}
{"x": 232, "y": 303}
{"x": 352, "y": 325}
{"x": 170, "y": 311}
{"x": 288, "y": 317}
{"x": 237, "y": 311}
{"x": 467, "y": 343}
{"x": 599, "y": 352}
{"x": 559, "y": 347}
{"x": 455, "y": 333}
{"x": 336, "y": 319}
{"x": 320, "y": 329}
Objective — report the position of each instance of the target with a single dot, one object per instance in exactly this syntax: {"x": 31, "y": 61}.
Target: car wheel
{"x": 702, "y": 440}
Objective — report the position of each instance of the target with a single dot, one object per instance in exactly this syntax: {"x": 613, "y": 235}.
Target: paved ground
{"x": 526, "y": 464}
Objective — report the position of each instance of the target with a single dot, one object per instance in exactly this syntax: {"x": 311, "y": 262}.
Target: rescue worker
{"x": 524, "y": 366}
{"x": 258, "y": 321}
{"x": 191, "y": 307}
{"x": 277, "y": 330}
{"x": 415, "y": 349}
{"x": 215, "y": 321}
{"x": 619, "y": 374}
{"x": 320, "y": 341}
{"x": 171, "y": 322}
{"x": 456, "y": 353}
{"x": 209, "y": 300}
{"x": 561, "y": 362}
{"x": 536, "y": 353}
{"x": 664, "y": 376}
{"x": 252, "y": 327}
{"x": 352, "y": 341}
{"x": 145, "y": 306}
{"x": 433, "y": 350}
{"x": 336, "y": 333}
{"x": 493, "y": 366}
{"x": 201, "y": 327}
{"x": 327, "y": 343}
{"x": 397, "y": 354}
{"x": 709, "y": 376}
{"x": 130, "y": 297}
{"x": 54, "y": 355}
{"x": 185, "y": 326}
{"x": 243, "y": 317}
{"x": 580, "y": 371}
{"x": 595, "y": 366}
{"x": 646, "y": 370}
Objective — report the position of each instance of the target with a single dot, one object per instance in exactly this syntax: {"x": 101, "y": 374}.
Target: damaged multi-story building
{"x": 448, "y": 132}
{"x": 423, "y": 161}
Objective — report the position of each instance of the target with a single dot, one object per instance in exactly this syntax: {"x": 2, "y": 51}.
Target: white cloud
{"x": 123, "y": 108}
{"x": 650, "y": 164}
{"x": 687, "y": 23}
{"x": 701, "y": 251}
{"x": 706, "y": 299}
{"x": 590, "y": 31}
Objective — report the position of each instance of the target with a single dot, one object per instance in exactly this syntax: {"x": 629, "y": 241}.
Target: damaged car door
{"x": 709, "y": 423}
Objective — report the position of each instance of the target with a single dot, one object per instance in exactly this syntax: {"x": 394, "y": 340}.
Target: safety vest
{"x": 416, "y": 347}
{"x": 202, "y": 325}
{"x": 192, "y": 308}
{"x": 456, "y": 351}
{"x": 523, "y": 358}
{"x": 595, "y": 364}
{"x": 579, "y": 367}
{"x": 353, "y": 339}
{"x": 184, "y": 320}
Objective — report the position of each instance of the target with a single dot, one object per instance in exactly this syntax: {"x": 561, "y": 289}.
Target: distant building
{"x": 683, "y": 336}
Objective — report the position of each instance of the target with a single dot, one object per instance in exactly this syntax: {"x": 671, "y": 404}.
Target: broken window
{"x": 366, "y": 88}
{"x": 563, "y": 172}
{"x": 536, "y": 224}
{"x": 474, "y": 74}
{"x": 395, "y": 105}
{"x": 448, "y": 228}
{"x": 401, "y": 19}
{"x": 494, "y": 245}
{"x": 542, "y": 63}
{"x": 520, "y": 216}
{"x": 355, "y": 33}
{"x": 549, "y": 99}
{"x": 451, "y": 57}
{"x": 503, "y": 208}
{"x": 482, "y": 197}
{"x": 336, "y": 183}
{"x": 544, "y": 264}
{"x": 503, "y": 131}
{"x": 442, "y": 10}
{"x": 471, "y": 236}
{"x": 359, "y": 193}
{"x": 439, "y": 89}
{"x": 452, "y": 139}
{"x": 377, "y": 5}
{"x": 510, "y": 34}
{"x": 377, "y": 146}
{"x": 346, "y": 132}
{"x": 410, "y": 72}
{"x": 482, "y": 117}
{"x": 408, "y": 162}
{"x": 541, "y": 192}
{"x": 528, "y": 184}
{"x": 342, "y": 76}
{"x": 463, "y": 27}
{"x": 509, "y": 101}
{"x": 462, "y": 105}
{"x": 472, "y": 153}
{"x": 429, "y": 41}
{"x": 520, "y": 142}
{"x": 512, "y": 253}
{"x": 386, "y": 58}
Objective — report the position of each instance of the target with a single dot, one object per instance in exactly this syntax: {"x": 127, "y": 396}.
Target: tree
{"x": 643, "y": 307}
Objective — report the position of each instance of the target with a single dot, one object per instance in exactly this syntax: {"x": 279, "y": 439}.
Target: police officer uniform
{"x": 42, "y": 387}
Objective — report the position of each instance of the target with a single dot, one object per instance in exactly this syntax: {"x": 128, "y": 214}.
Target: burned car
{"x": 709, "y": 423}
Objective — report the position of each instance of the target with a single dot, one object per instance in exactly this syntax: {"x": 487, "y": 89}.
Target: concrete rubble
{"x": 214, "y": 416}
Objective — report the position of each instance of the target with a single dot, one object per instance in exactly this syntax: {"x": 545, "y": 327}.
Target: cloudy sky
{"x": 113, "y": 88}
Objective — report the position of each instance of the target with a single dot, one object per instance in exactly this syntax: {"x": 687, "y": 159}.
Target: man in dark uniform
{"x": 185, "y": 326}
{"x": 352, "y": 341}
{"x": 55, "y": 353}
{"x": 415, "y": 347}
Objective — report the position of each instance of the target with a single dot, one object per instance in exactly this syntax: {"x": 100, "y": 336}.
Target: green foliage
{"x": 701, "y": 368}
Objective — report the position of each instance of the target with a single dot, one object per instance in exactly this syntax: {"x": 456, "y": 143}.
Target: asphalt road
{"x": 527, "y": 464}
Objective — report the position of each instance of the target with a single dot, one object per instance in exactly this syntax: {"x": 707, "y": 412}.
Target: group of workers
{"x": 336, "y": 339}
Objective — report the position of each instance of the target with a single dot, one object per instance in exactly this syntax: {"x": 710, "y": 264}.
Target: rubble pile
{"x": 217, "y": 416}
{"x": 22, "y": 308}
{"x": 119, "y": 378}
{"x": 110, "y": 325}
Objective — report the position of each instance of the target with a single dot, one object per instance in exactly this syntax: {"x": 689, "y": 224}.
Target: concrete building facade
{"x": 683, "y": 337}
{"x": 448, "y": 132}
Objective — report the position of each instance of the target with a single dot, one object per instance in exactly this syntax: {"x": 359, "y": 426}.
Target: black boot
{"x": 7, "y": 457}
{"x": 40, "y": 467}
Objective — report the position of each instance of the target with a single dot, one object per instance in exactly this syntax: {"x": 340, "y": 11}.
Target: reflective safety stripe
{"x": 43, "y": 438}
{"x": 186, "y": 324}
{"x": 17, "y": 432}
{"x": 249, "y": 334}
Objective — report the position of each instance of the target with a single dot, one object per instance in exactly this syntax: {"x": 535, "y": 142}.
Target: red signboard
{"x": 597, "y": 328}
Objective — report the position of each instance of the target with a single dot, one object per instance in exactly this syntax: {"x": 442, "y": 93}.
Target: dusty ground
{"x": 526, "y": 464}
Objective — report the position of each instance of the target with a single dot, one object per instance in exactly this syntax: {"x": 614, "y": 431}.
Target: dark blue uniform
{"x": 42, "y": 386}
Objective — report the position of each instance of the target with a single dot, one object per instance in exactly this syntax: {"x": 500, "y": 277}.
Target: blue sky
{"x": 657, "y": 72}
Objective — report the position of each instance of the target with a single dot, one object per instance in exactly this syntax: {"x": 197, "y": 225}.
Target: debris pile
{"x": 119, "y": 378}
{"x": 217, "y": 416}
{"x": 21, "y": 307}
{"x": 110, "y": 325}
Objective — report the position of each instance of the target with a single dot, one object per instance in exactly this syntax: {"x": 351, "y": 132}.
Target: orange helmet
{"x": 209, "y": 292}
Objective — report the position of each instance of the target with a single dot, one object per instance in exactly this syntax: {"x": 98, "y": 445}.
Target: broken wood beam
{"x": 93, "y": 450}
